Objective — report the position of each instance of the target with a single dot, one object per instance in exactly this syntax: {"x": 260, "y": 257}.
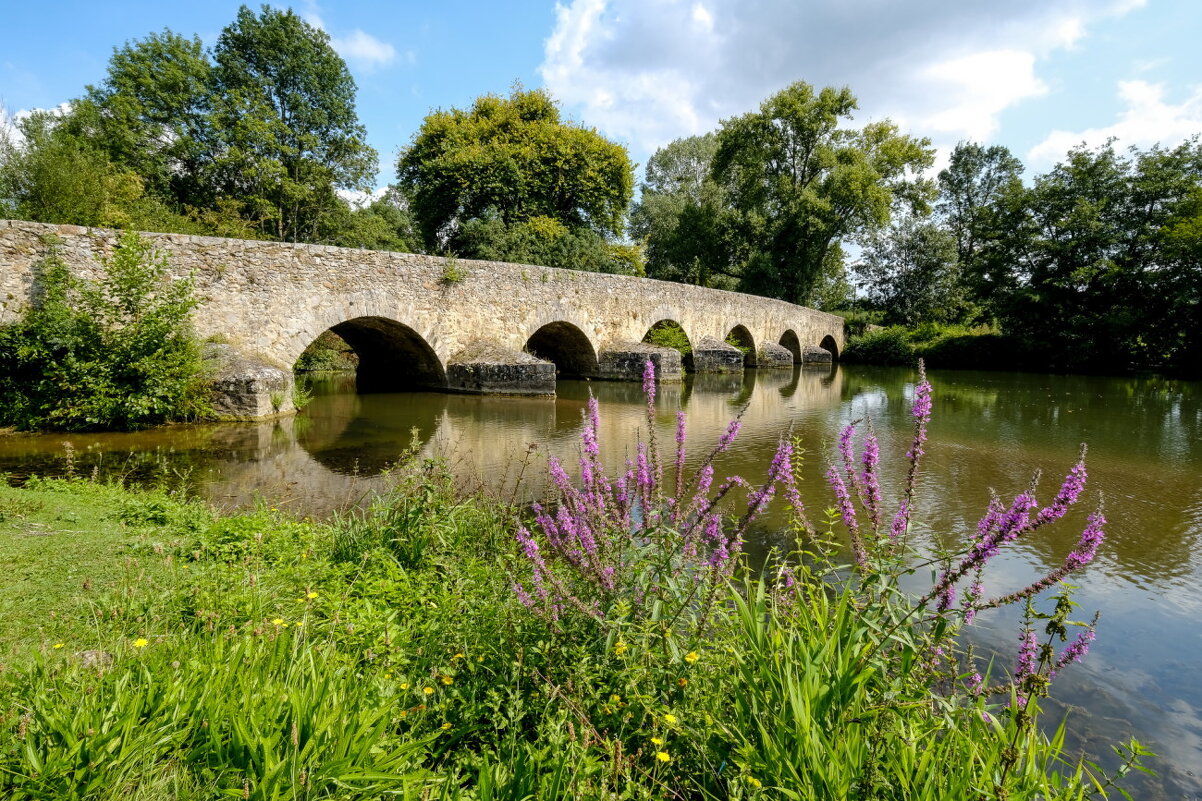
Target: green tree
{"x": 982, "y": 202}
{"x": 114, "y": 354}
{"x": 285, "y": 107}
{"x": 912, "y": 272}
{"x": 1104, "y": 273}
{"x": 153, "y": 115}
{"x": 512, "y": 160}
{"x": 800, "y": 185}
{"x": 682, "y": 217}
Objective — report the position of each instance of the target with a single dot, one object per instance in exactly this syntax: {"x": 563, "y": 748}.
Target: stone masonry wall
{"x": 273, "y": 299}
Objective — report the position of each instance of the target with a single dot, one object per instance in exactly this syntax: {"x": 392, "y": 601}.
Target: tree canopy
{"x": 255, "y": 138}
{"x": 786, "y": 187}
{"x": 512, "y": 161}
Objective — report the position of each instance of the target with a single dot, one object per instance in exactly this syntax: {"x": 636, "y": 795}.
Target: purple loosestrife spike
{"x": 974, "y": 684}
{"x": 649, "y": 383}
{"x": 922, "y": 415}
{"x": 1028, "y": 643}
{"x": 1087, "y": 545}
{"x": 1070, "y": 491}
{"x": 678, "y": 490}
{"x": 901, "y": 521}
{"x": 1077, "y": 649}
{"x": 788, "y": 478}
{"x": 732, "y": 431}
{"x": 972, "y": 597}
{"x": 845, "y": 451}
{"x": 871, "y": 459}
{"x": 948, "y": 596}
{"x": 849, "y": 515}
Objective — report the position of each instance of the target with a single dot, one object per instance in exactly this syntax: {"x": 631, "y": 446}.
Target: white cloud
{"x": 364, "y": 49}
{"x": 1146, "y": 120}
{"x": 976, "y": 88}
{"x": 358, "y": 47}
{"x": 648, "y": 72}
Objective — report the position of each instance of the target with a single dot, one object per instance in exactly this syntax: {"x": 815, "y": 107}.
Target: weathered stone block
{"x": 484, "y": 369}
{"x": 715, "y": 356}
{"x": 625, "y": 362}
{"x": 774, "y": 356}
{"x": 812, "y": 354}
{"x": 246, "y": 387}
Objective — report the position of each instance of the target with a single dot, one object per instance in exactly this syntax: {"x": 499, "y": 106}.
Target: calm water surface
{"x": 989, "y": 430}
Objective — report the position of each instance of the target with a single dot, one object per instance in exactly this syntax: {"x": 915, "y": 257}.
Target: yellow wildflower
{"x": 754, "y": 782}
{"x": 615, "y": 698}
{"x": 670, "y": 719}
{"x": 58, "y": 645}
{"x": 447, "y": 680}
{"x": 682, "y": 681}
{"x": 428, "y": 690}
{"x": 141, "y": 642}
{"x": 457, "y": 656}
{"x": 311, "y": 595}
{"x": 657, "y": 740}
{"x": 691, "y": 657}
{"x": 620, "y": 648}
{"x": 663, "y": 756}
{"x": 278, "y": 621}
{"x": 404, "y": 685}
{"x": 446, "y": 726}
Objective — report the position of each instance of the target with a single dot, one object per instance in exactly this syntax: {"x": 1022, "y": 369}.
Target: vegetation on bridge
{"x": 118, "y": 353}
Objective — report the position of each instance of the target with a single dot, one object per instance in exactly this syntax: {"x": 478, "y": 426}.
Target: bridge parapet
{"x": 409, "y": 315}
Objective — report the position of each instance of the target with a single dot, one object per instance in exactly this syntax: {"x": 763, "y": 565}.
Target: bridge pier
{"x": 626, "y": 362}
{"x": 812, "y": 354}
{"x": 774, "y": 357}
{"x": 487, "y": 369}
{"x": 715, "y": 356}
{"x": 245, "y": 387}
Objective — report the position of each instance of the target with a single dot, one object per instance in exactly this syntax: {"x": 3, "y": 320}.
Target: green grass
{"x": 383, "y": 655}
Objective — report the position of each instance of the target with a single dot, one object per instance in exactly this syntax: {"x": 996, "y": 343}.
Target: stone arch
{"x": 740, "y": 335}
{"x": 792, "y": 343}
{"x": 567, "y": 346}
{"x": 828, "y": 343}
{"x": 392, "y": 356}
{"x": 675, "y": 337}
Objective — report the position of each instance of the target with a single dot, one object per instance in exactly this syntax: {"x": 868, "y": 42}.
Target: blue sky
{"x": 1035, "y": 75}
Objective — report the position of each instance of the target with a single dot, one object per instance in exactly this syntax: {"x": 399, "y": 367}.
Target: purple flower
{"x": 649, "y": 382}
{"x": 1076, "y": 650}
{"x": 728, "y": 437}
{"x": 872, "y": 487}
{"x": 1070, "y": 491}
{"x": 1026, "y": 655}
{"x": 1087, "y": 545}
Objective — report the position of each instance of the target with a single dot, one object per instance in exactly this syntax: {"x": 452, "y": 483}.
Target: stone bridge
{"x": 427, "y": 322}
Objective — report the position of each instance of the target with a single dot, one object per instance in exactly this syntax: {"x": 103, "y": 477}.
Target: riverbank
{"x": 161, "y": 650}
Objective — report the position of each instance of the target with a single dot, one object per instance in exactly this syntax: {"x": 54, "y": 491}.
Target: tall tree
{"x": 514, "y": 160}
{"x": 982, "y": 202}
{"x": 682, "y": 216}
{"x": 285, "y": 103}
{"x": 151, "y": 115}
{"x": 911, "y": 271}
{"x": 801, "y": 184}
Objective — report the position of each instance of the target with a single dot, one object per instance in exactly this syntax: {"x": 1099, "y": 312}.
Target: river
{"x": 989, "y": 430}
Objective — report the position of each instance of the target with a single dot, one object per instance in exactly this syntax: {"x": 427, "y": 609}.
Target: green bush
{"x": 885, "y": 346}
{"x": 118, "y": 353}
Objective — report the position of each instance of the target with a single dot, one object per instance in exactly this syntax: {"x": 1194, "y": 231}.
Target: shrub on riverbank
{"x": 939, "y": 345}
{"x": 118, "y": 353}
{"x": 414, "y": 649}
